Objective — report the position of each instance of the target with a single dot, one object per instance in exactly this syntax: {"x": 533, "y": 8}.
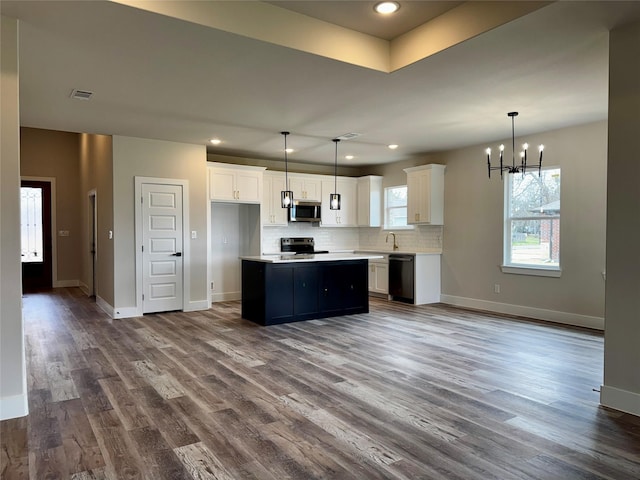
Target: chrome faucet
{"x": 395, "y": 244}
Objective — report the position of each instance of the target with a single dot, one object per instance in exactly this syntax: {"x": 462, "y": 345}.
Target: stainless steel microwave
{"x": 302, "y": 211}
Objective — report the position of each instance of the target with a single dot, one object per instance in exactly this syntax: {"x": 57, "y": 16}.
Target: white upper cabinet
{"x": 272, "y": 212}
{"x": 305, "y": 187}
{"x": 425, "y": 194}
{"x": 370, "y": 201}
{"x": 347, "y": 215}
{"x": 235, "y": 183}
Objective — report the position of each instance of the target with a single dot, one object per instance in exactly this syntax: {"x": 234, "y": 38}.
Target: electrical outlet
{"x": 496, "y": 288}
{"x": 194, "y": 234}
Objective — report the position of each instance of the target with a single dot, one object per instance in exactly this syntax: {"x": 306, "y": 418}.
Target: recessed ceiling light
{"x": 289, "y": 150}
{"x": 216, "y": 141}
{"x": 393, "y": 146}
{"x": 349, "y": 157}
{"x": 385, "y": 8}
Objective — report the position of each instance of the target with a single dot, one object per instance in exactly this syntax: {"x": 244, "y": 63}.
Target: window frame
{"x": 385, "y": 209}
{"x": 523, "y": 268}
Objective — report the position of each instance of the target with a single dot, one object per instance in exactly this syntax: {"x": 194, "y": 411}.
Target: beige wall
{"x": 96, "y": 175}
{"x": 473, "y": 232}
{"x": 154, "y": 158}
{"x": 13, "y": 384}
{"x": 49, "y": 153}
{"x": 621, "y": 387}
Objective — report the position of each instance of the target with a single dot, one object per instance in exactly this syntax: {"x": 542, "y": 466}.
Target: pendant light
{"x": 334, "y": 198}
{"x": 513, "y": 168}
{"x": 286, "y": 195}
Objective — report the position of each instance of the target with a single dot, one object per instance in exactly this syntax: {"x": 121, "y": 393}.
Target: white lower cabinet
{"x": 427, "y": 278}
{"x": 379, "y": 275}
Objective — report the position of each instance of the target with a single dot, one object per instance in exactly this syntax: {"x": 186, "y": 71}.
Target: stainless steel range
{"x": 299, "y": 245}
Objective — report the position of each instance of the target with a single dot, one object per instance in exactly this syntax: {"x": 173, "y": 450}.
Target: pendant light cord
{"x": 513, "y": 142}
{"x": 335, "y": 168}
{"x": 286, "y": 163}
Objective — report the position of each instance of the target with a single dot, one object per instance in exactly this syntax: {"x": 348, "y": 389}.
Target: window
{"x": 532, "y": 223}
{"x": 31, "y": 225}
{"x": 395, "y": 207}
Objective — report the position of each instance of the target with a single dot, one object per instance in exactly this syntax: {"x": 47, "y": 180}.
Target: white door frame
{"x": 186, "y": 243}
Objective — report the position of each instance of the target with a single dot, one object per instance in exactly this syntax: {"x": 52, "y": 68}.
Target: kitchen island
{"x": 289, "y": 288}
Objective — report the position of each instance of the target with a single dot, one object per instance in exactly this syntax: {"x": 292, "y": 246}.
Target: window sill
{"x": 535, "y": 271}
{"x": 398, "y": 227}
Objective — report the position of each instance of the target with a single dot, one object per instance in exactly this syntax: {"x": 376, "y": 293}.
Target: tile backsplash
{"x": 326, "y": 238}
{"x": 420, "y": 238}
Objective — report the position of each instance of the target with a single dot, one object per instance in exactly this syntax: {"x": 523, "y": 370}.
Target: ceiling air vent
{"x": 81, "y": 94}
{"x": 348, "y": 136}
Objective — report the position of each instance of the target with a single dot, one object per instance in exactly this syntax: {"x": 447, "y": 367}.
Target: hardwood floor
{"x": 403, "y": 392}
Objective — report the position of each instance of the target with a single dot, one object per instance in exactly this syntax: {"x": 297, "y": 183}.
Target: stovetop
{"x": 299, "y": 245}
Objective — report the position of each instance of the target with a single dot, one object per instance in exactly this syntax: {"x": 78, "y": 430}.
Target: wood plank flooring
{"x": 404, "y": 392}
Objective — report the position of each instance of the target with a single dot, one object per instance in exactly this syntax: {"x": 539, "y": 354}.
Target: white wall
{"x": 13, "y": 383}
{"x": 621, "y": 389}
{"x": 235, "y": 232}
{"x": 473, "y": 232}
{"x": 155, "y": 158}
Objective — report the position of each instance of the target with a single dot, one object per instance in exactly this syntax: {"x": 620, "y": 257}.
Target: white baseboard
{"x": 126, "y": 312}
{"x": 197, "y": 305}
{"x": 618, "y": 399}
{"x": 226, "y": 297}
{"x": 14, "y": 406}
{"x": 66, "y": 283}
{"x": 566, "y": 318}
{"x": 85, "y": 288}
{"x": 104, "y": 305}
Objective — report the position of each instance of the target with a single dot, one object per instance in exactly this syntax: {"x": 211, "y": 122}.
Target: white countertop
{"x": 435, "y": 251}
{"x": 320, "y": 257}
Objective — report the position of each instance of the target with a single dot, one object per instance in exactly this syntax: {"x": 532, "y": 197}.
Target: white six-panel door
{"x": 162, "y": 248}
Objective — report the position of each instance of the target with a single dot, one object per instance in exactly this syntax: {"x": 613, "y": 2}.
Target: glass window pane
{"x": 532, "y": 225}
{"x": 532, "y": 195}
{"x": 31, "y": 225}
{"x": 536, "y": 242}
{"x": 395, "y": 206}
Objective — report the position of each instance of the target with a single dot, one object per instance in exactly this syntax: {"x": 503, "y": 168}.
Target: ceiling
{"x": 244, "y": 71}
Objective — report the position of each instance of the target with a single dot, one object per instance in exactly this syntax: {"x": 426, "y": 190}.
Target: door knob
{"x": 177, "y": 254}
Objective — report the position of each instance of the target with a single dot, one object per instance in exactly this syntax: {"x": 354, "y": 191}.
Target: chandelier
{"x": 513, "y": 168}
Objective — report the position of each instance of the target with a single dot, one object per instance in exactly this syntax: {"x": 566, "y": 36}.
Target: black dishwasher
{"x": 401, "y": 277}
